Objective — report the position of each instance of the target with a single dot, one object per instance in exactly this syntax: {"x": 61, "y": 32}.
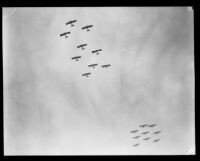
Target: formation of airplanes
{"x": 141, "y": 134}
{"x": 83, "y": 46}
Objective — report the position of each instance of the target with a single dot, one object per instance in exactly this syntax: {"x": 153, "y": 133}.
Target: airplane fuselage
{"x": 105, "y": 66}
{"x": 82, "y": 46}
{"x": 76, "y": 57}
{"x": 96, "y": 51}
{"x": 71, "y": 22}
{"x": 134, "y": 131}
{"x": 87, "y": 27}
{"x": 156, "y": 140}
{"x": 65, "y": 34}
{"x": 86, "y": 74}
{"x": 157, "y": 132}
{"x": 92, "y": 65}
{"x": 145, "y": 132}
{"x": 136, "y": 144}
{"x": 152, "y": 125}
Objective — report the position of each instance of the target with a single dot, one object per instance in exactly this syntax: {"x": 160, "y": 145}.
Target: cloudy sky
{"x": 50, "y": 109}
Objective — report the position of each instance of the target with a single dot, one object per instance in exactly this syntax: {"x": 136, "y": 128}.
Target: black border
{"x": 95, "y": 3}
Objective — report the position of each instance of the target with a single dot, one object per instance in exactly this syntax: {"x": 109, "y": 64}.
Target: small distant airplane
{"x": 82, "y": 45}
{"x": 134, "y": 131}
{"x": 92, "y": 65}
{"x": 71, "y": 22}
{"x": 146, "y": 139}
{"x": 76, "y": 57}
{"x": 152, "y": 125}
{"x": 86, "y": 74}
{"x": 157, "y": 132}
{"x": 143, "y": 125}
{"x": 145, "y": 132}
{"x": 156, "y": 140}
{"x": 96, "y": 51}
{"x": 136, "y": 137}
{"x": 87, "y": 27}
{"x": 136, "y": 144}
{"x": 105, "y": 65}
{"x": 65, "y": 34}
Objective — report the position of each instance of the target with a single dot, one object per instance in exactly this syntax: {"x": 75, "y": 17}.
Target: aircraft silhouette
{"x": 136, "y": 144}
{"x": 134, "y": 131}
{"x": 87, "y": 27}
{"x": 65, "y": 34}
{"x": 145, "y": 132}
{"x": 96, "y": 51}
{"x": 157, "y": 132}
{"x": 152, "y": 125}
{"x": 156, "y": 140}
{"x": 92, "y": 65}
{"x": 71, "y": 22}
{"x": 86, "y": 74}
{"x": 76, "y": 57}
{"x": 143, "y": 125}
{"x": 82, "y": 45}
{"x": 105, "y": 65}
{"x": 146, "y": 139}
{"x": 136, "y": 137}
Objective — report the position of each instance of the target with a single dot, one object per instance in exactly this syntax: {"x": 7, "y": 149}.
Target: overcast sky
{"x": 49, "y": 108}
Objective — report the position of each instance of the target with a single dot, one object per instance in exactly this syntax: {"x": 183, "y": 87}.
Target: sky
{"x": 51, "y": 109}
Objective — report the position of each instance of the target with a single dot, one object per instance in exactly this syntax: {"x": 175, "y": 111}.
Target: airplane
{"x": 82, "y": 45}
{"x": 86, "y": 74}
{"x": 136, "y": 137}
{"x": 96, "y": 51}
{"x": 145, "y": 132}
{"x": 152, "y": 125}
{"x": 134, "y": 131}
{"x": 65, "y": 34}
{"x": 136, "y": 144}
{"x": 76, "y": 57}
{"x": 157, "y": 132}
{"x": 71, "y": 22}
{"x": 143, "y": 125}
{"x": 92, "y": 65}
{"x": 86, "y": 27}
{"x": 146, "y": 139}
{"x": 105, "y": 65}
{"x": 156, "y": 140}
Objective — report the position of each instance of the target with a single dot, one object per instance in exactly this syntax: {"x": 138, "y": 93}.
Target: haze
{"x": 50, "y": 109}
